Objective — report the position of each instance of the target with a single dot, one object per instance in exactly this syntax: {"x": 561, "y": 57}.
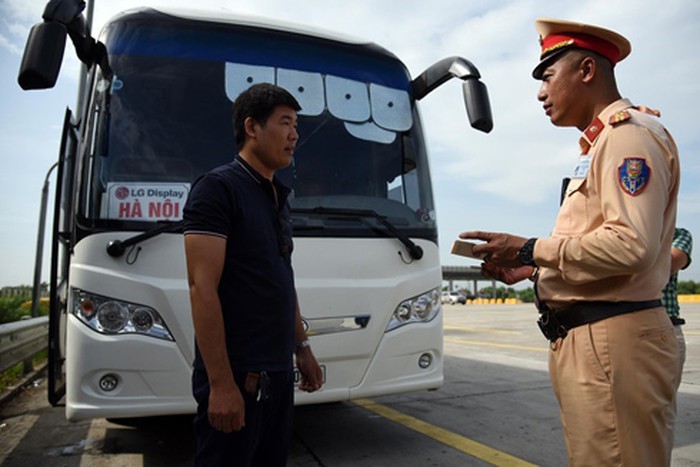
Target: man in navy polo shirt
{"x": 238, "y": 242}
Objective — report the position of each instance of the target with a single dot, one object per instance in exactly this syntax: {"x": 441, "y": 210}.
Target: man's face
{"x": 275, "y": 141}
{"x": 560, "y": 91}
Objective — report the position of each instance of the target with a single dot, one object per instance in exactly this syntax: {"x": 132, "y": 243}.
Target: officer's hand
{"x": 508, "y": 276}
{"x": 311, "y": 374}
{"x": 500, "y": 249}
{"x": 226, "y": 408}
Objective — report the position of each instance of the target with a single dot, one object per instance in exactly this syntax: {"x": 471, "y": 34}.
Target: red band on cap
{"x": 556, "y": 41}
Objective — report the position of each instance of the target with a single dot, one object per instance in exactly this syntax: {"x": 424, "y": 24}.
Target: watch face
{"x": 526, "y": 252}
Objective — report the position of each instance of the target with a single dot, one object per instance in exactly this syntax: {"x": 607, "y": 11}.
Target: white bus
{"x": 155, "y": 115}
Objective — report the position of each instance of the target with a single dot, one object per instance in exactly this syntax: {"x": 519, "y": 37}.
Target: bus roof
{"x": 227, "y": 17}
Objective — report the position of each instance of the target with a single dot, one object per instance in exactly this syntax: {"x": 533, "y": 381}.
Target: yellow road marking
{"x": 495, "y": 331}
{"x": 691, "y": 333}
{"x": 493, "y": 344}
{"x": 465, "y": 445}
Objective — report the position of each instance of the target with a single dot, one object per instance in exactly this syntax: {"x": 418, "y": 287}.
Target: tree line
{"x": 528, "y": 295}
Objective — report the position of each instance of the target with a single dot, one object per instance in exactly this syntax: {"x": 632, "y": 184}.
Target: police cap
{"x": 559, "y": 36}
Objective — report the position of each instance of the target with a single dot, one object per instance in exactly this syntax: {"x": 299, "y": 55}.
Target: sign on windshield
{"x": 142, "y": 201}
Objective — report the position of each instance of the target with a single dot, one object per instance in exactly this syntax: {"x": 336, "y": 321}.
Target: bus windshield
{"x": 165, "y": 119}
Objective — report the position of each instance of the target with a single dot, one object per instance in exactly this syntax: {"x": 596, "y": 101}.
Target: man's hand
{"x": 500, "y": 250}
{"x": 226, "y": 408}
{"x": 508, "y": 276}
{"x": 311, "y": 374}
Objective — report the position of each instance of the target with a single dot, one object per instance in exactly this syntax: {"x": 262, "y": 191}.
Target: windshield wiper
{"x": 414, "y": 250}
{"x": 116, "y": 248}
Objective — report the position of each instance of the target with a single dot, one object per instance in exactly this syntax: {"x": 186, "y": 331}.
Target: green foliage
{"x": 43, "y": 306}
{"x": 501, "y": 292}
{"x": 527, "y": 295}
{"x": 11, "y": 309}
{"x": 688, "y": 287}
{"x": 14, "y": 374}
{"x": 14, "y": 308}
{"x": 11, "y": 376}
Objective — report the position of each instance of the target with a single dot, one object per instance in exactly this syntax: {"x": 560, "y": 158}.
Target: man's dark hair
{"x": 258, "y": 102}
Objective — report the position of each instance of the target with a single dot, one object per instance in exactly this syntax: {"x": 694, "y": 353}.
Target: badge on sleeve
{"x": 633, "y": 175}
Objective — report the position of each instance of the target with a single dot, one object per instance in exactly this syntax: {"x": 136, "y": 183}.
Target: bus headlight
{"x": 110, "y": 316}
{"x": 420, "y": 309}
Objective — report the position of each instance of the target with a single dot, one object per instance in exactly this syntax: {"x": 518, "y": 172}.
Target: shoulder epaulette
{"x": 619, "y": 117}
{"x": 648, "y": 110}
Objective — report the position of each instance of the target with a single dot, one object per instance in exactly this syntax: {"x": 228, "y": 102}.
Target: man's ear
{"x": 588, "y": 68}
{"x": 249, "y": 124}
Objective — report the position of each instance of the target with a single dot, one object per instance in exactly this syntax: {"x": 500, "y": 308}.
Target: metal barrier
{"x": 20, "y": 340}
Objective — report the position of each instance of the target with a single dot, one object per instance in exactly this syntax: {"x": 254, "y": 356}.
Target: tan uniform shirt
{"x": 614, "y": 230}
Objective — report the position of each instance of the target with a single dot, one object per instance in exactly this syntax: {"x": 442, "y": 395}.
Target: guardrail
{"x": 20, "y": 340}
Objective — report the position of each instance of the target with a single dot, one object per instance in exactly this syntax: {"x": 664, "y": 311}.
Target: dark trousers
{"x": 265, "y": 439}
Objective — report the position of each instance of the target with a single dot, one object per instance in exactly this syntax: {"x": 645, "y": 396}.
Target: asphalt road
{"x": 496, "y": 408}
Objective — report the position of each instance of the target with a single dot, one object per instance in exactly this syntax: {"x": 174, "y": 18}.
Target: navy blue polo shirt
{"x": 256, "y": 290}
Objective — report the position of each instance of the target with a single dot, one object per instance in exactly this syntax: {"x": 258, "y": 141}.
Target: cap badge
{"x": 556, "y": 46}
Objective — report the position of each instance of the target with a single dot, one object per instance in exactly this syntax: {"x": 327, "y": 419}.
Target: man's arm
{"x": 205, "y": 263}
{"x": 681, "y": 249}
{"x": 311, "y": 374}
{"x": 679, "y": 260}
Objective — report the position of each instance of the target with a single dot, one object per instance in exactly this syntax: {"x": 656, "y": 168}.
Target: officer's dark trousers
{"x": 266, "y": 437}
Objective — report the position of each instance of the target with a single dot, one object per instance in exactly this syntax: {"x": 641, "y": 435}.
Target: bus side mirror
{"x": 476, "y": 99}
{"x": 43, "y": 55}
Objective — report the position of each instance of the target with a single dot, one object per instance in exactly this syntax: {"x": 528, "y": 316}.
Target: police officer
{"x": 613, "y": 356}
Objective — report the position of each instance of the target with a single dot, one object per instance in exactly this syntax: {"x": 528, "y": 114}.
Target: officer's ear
{"x": 588, "y": 67}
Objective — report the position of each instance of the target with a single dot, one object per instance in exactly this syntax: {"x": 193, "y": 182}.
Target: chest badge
{"x": 633, "y": 176}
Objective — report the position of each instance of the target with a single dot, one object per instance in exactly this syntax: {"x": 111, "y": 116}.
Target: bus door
{"x": 62, "y": 240}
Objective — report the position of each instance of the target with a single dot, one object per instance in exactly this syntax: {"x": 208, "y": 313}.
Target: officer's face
{"x": 560, "y": 91}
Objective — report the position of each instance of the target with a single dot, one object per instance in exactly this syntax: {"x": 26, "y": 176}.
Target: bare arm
{"x": 205, "y": 263}
{"x": 311, "y": 374}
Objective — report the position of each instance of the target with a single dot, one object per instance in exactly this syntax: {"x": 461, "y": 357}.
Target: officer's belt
{"x": 556, "y": 324}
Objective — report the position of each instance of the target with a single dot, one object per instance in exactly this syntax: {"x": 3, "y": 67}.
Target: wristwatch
{"x": 526, "y": 252}
{"x": 302, "y": 345}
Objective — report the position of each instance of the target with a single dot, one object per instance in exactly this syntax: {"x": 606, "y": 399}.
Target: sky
{"x": 505, "y": 181}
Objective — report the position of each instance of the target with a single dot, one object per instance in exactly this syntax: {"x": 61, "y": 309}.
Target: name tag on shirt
{"x": 584, "y": 163}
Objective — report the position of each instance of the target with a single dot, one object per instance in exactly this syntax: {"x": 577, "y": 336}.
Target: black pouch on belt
{"x": 550, "y": 325}
{"x": 556, "y": 324}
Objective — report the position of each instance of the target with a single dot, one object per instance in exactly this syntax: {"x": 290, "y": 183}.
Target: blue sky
{"x": 507, "y": 180}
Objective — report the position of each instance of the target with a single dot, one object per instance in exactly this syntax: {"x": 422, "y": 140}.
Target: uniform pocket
{"x": 598, "y": 350}
{"x": 662, "y": 339}
{"x": 573, "y": 215}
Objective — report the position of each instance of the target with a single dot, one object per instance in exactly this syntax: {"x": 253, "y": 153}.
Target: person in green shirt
{"x": 681, "y": 250}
